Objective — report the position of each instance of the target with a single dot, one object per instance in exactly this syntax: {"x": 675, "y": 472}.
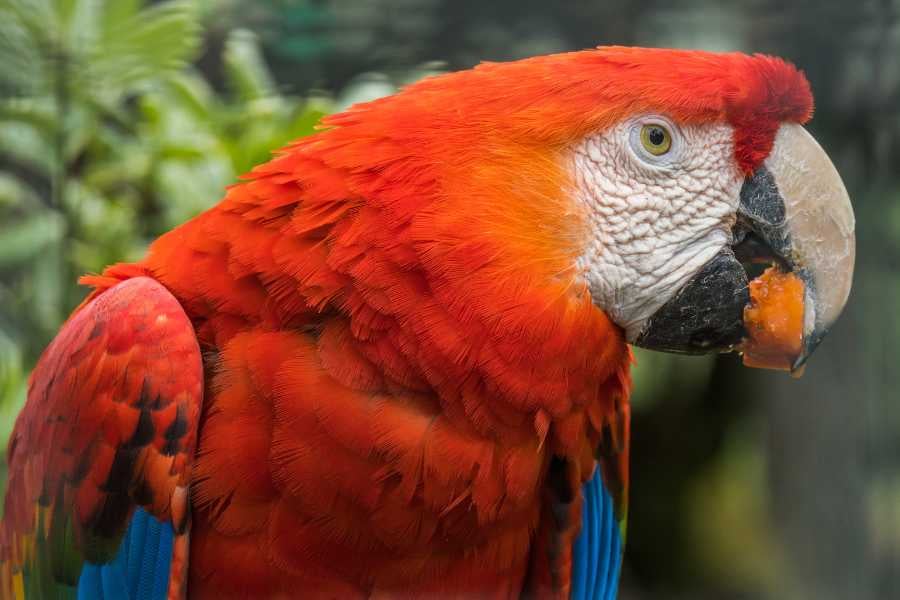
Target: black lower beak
{"x": 707, "y": 314}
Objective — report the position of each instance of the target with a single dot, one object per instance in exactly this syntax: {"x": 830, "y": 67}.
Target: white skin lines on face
{"x": 655, "y": 220}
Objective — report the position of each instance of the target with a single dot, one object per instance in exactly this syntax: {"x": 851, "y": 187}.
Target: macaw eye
{"x": 656, "y": 139}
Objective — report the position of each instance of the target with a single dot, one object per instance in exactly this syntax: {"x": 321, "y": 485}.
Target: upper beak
{"x": 798, "y": 207}
{"x": 794, "y": 217}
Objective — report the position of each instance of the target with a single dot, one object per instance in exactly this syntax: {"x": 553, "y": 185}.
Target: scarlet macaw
{"x": 389, "y": 361}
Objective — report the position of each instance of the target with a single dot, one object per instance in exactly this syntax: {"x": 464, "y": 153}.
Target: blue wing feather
{"x": 89, "y": 584}
{"x": 602, "y": 527}
{"x": 113, "y": 578}
{"x": 163, "y": 562}
{"x": 137, "y": 534}
{"x": 580, "y": 561}
{"x": 598, "y": 549}
{"x": 140, "y": 569}
{"x": 595, "y": 531}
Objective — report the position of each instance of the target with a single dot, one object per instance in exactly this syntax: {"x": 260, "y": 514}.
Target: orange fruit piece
{"x": 774, "y": 320}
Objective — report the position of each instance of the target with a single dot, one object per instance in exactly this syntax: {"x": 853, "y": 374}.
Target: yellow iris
{"x": 656, "y": 139}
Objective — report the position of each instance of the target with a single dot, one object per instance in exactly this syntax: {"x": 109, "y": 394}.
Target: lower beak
{"x": 773, "y": 294}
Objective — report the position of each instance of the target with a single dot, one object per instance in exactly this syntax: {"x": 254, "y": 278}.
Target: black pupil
{"x": 657, "y": 136}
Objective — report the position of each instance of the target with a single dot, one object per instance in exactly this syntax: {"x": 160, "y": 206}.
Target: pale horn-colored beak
{"x": 794, "y": 305}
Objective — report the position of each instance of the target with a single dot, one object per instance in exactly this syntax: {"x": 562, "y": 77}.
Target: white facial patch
{"x": 655, "y": 220}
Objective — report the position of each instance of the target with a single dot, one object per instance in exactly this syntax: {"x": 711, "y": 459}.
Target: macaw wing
{"x": 597, "y": 553}
{"x": 99, "y": 460}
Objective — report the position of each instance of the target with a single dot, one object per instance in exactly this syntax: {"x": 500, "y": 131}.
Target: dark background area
{"x": 120, "y": 119}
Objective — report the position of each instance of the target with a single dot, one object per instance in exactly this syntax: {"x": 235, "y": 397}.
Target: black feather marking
{"x": 144, "y": 397}
{"x": 175, "y": 431}
{"x": 561, "y": 495}
{"x": 558, "y": 480}
{"x": 122, "y": 470}
{"x": 144, "y": 431}
{"x": 82, "y": 466}
{"x": 142, "y": 493}
{"x": 108, "y": 523}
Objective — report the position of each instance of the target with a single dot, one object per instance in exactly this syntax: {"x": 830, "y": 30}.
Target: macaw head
{"x": 688, "y": 211}
{"x": 662, "y": 182}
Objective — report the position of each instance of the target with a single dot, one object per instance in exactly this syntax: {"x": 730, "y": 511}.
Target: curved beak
{"x": 813, "y": 248}
{"x": 796, "y": 225}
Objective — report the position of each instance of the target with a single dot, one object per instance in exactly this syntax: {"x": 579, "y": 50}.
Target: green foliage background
{"x": 109, "y": 137}
{"x": 120, "y": 119}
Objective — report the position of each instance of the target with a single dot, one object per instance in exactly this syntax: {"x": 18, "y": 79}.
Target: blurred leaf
{"x": 119, "y": 13}
{"x": 365, "y": 88}
{"x": 81, "y": 127}
{"x": 25, "y": 239}
{"x": 26, "y": 144}
{"x": 192, "y": 93}
{"x": 148, "y": 45}
{"x": 37, "y": 112}
{"x": 15, "y": 192}
{"x": 81, "y": 20}
{"x": 107, "y": 226}
{"x": 245, "y": 68}
{"x": 48, "y": 285}
{"x": 13, "y": 382}
{"x": 26, "y": 28}
{"x": 12, "y": 399}
{"x": 130, "y": 165}
{"x": 307, "y": 118}
{"x": 190, "y": 187}
{"x": 13, "y": 388}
